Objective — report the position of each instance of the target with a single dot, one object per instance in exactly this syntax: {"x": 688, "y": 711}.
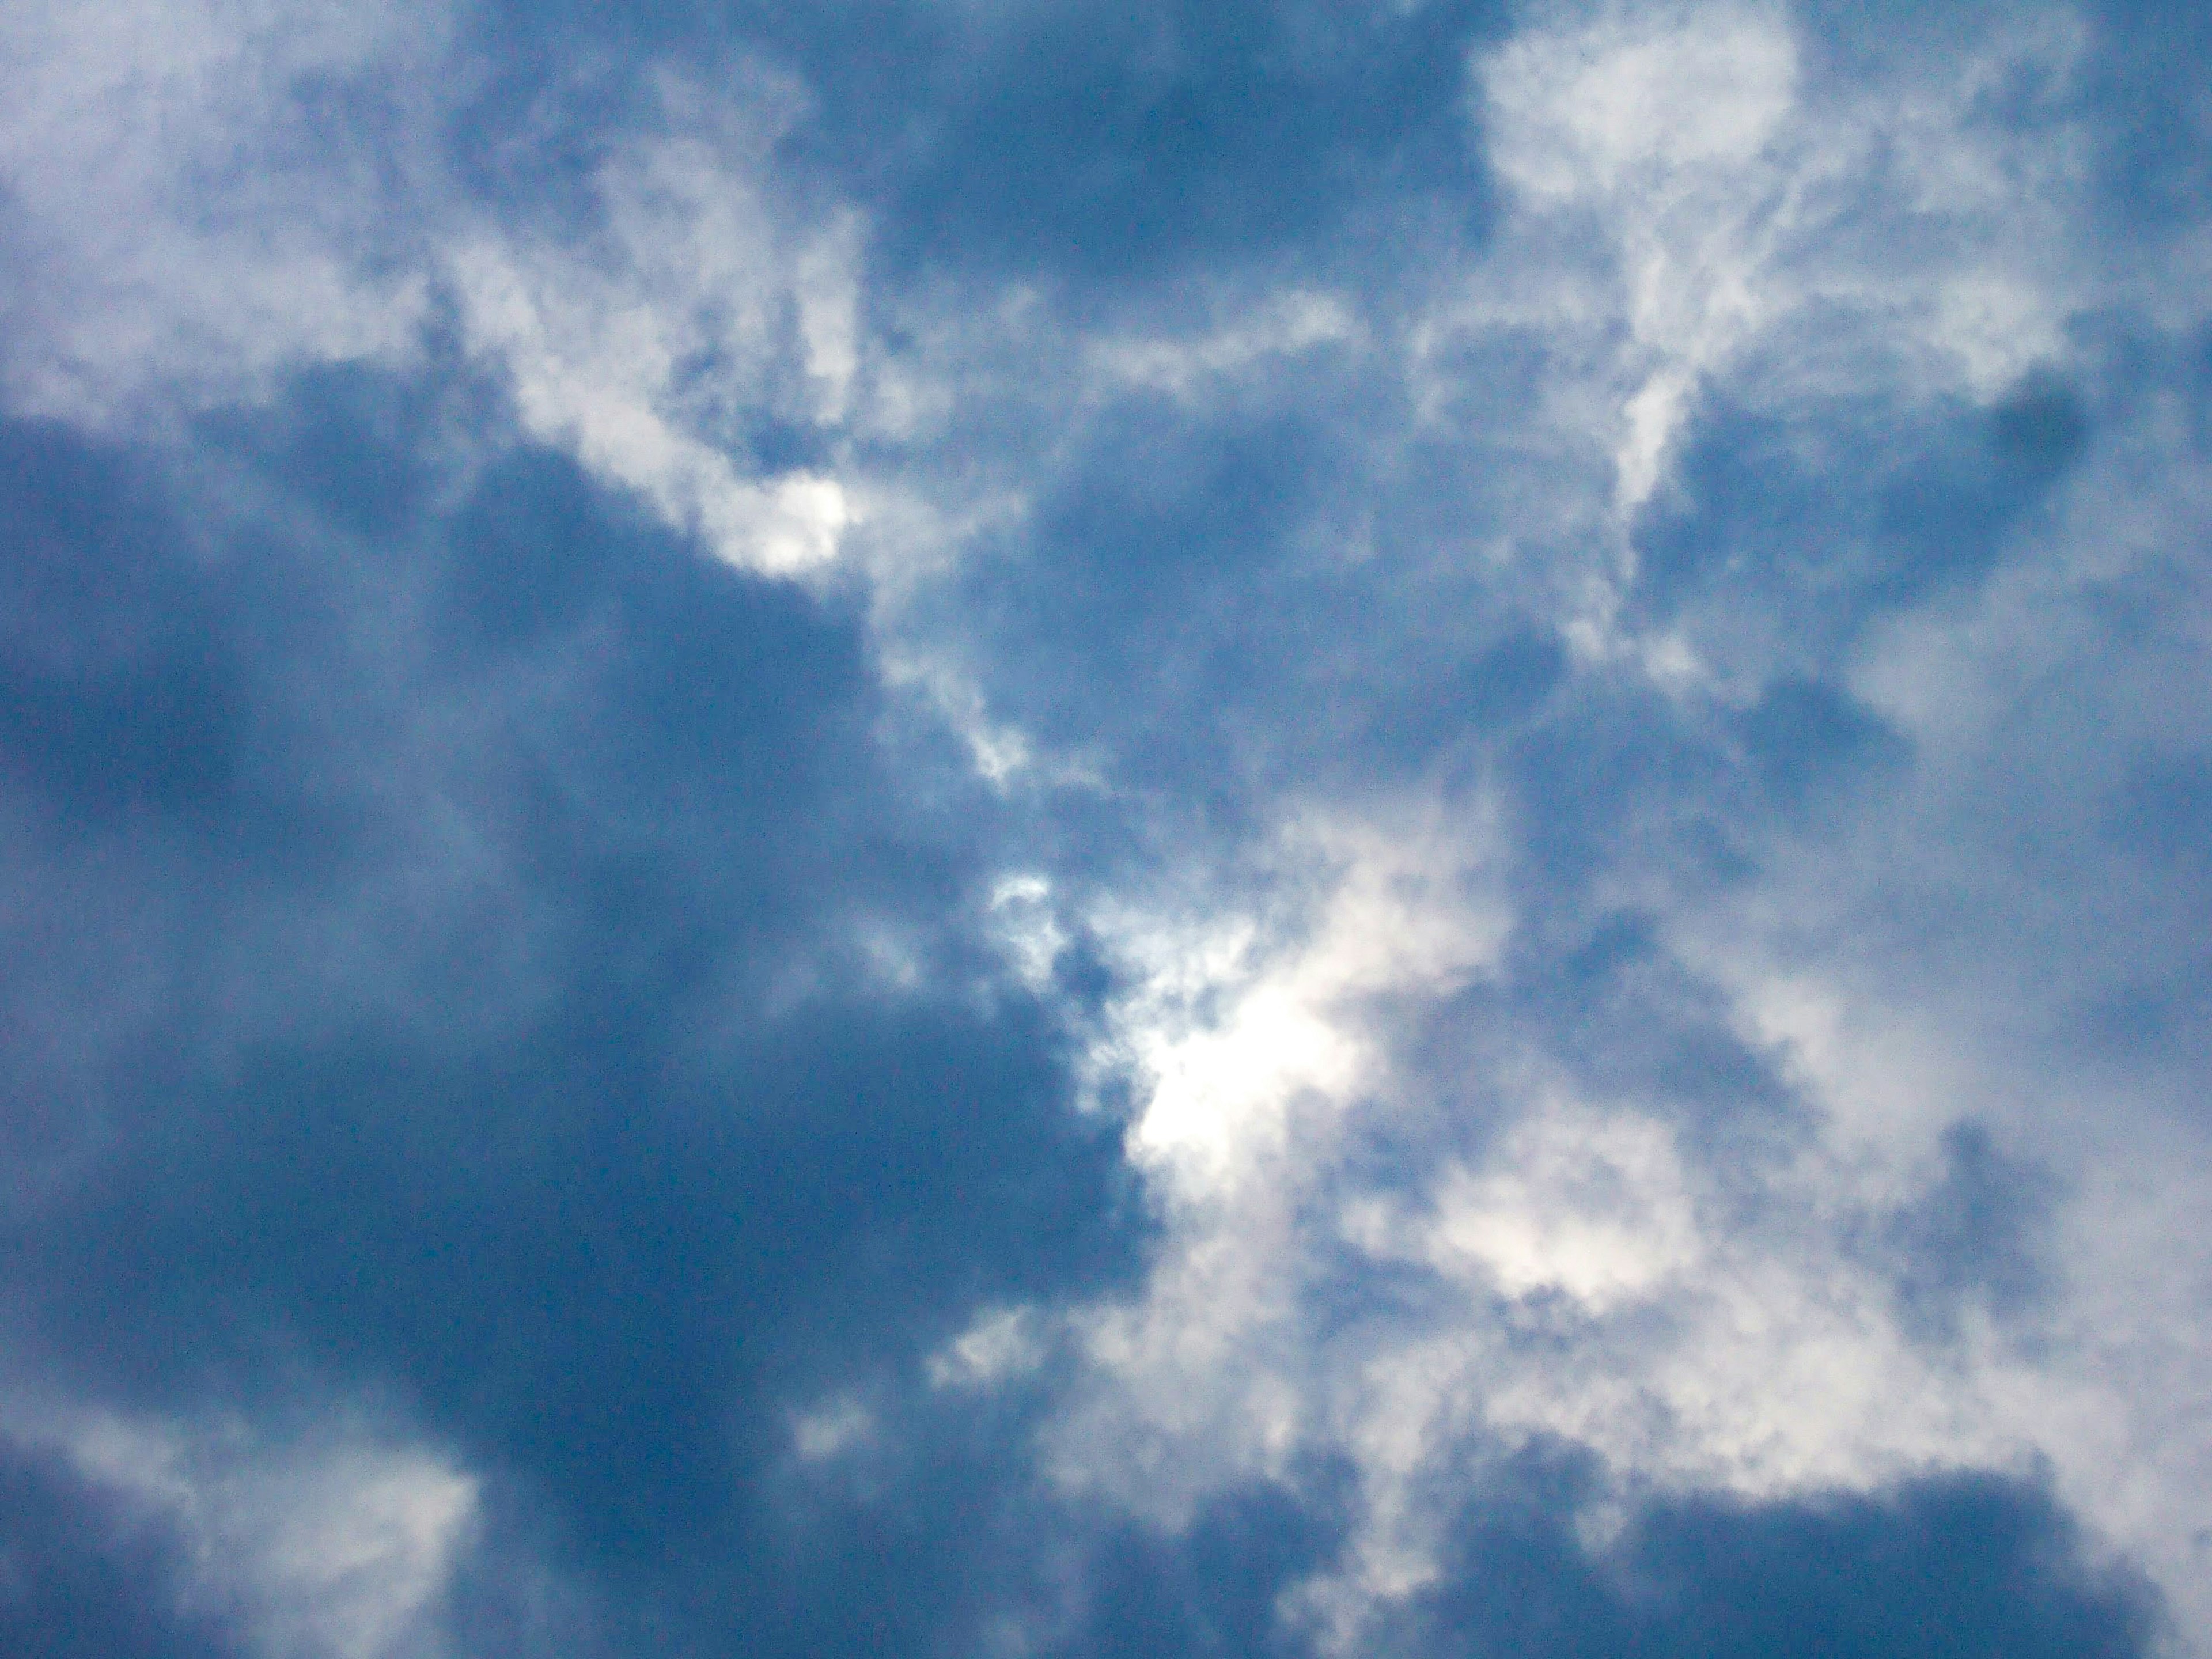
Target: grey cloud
{"x": 81, "y": 1578}
{"x": 1941, "y": 1566}
{"x": 602, "y": 1169}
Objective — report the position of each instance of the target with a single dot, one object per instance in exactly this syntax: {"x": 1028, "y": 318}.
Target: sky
{"x": 1251, "y": 829}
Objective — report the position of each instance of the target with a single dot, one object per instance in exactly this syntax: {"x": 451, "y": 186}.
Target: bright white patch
{"x": 191, "y": 225}
{"x": 1230, "y": 1032}
{"x": 1002, "y": 1343}
{"x": 1591, "y": 1206}
{"x": 831, "y": 1430}
{"x": 1257, "y": 1044}
{"x": 1648, "y": 95}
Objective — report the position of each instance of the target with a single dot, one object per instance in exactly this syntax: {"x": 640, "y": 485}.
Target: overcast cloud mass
{"x": 997, "y": 828}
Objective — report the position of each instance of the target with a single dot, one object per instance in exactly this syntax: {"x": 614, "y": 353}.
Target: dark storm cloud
{"x": 81, "y": 1578}
{"x": 1941, "y": 1566}
{"x": 117, "y": 686}
{"x": 602, "y": 1217}
{"x": 1832, "y": 516}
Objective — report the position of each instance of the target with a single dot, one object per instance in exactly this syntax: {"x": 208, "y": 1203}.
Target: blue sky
{"x": 1008, "y": 827}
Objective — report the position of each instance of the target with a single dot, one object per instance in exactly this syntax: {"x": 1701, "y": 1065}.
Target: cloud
{"x": 1258, "y": 828}
{"x": 250, "y": 191}
{"x": 171, "y": 218}
{"x": 558, "y": 1092}
{"x": 655, "y": 354}
{"x": 1707, "y": 1578}
{"x": 1621, "y": 1203}
{"x": 82, "y": 1579}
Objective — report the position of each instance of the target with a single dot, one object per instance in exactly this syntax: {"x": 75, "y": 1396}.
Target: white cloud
{"x": 832, "y": 1429}
{"x": 1285, "y": 324}
{"x": 1231, "y": 1032}
{"x": 340, "y": 1546}
{"x": 180, "y": 214}
{"x": 999, "y": 1343}
{"x": 189, "y": 222}
{"x": 1665, "y": 128}
{"x": 694, "y": 307}
{"x": 1256, "y": 1044}
{"x": 1947, "y": 959}
{"x": 1027, "y": 927}
{"x": 1690, "y": 206}
{"x": 1698, "y": 204}
{"x": 1694, "y": 204}
{"x": 1591, "y": 1206}
{"x": 1637, "y": 98}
